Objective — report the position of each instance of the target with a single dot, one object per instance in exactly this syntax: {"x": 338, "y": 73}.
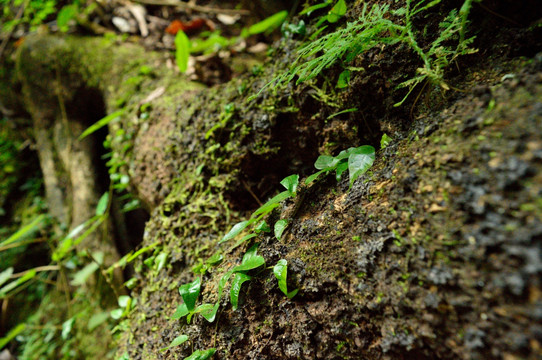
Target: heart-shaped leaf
{"x": 360, "y": 161}
{"x": 238, "y": 280}
{"x": 290, "y": 183}
{"x": 280, "y": 226}
{"x": 208, "y": 311}
{"x": 190, "y": 293}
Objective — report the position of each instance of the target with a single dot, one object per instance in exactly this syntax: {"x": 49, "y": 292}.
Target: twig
{"x": 36, "y": 269}
{"x": 190, "y": 6}
{"x": 21, "y": 243}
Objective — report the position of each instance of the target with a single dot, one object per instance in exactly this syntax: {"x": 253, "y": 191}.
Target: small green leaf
{"x": 67, "y": 328}
{"x": 160, "y": 261}
{"x": 290, "y": 183}
{"x": 30, "y": 274}
{"x": 149, "y": 262}
{"x": 292, "y": 293}
{"x": 269, "y": 23}
{"x": 271, "y": 204}
{"x": 243, "y": 239}
{"x": 124, "y": 356}
{"x": 181, "y": 312}
{"x": 251, "y": 263}
{"x": 124, "y": 301}
{"x": 12, "y": 334}
{"x": 80, "y": 277}
{"x": 280, "y": 226}
{"x": 313, "y": 177}
{"x": 5, "y": 275}
{"x": 235, "y": 230}
{"x": 222, "y": 283}
{"x": 64, "y": 16}
{"x": 101, "y": 123}
{"x": 208, "y": 311}
{"x": 338, "y": 10}
{"x": 325, "y": 162}
{"x": 102, "y": 204}
{"x": 215, "y": 259}
{"x": 250, "y": 260}
{"x": 340, "y": 169}
{"x": 190, "y": 292}
{"x": 26, "y": 230}
{"x": 385, "y": 141}
{"x": 182, "y": 51}
{"x": 297, "y": 29}
{"x": 117, "y": 313}
{"x": 179, "y": 340}
{"x": 238, "y": 280}
{"x": 131, "y": 283}
{"x": 280, "y": 270}
{"x": 313, "y": 8}
{"x": 201, "y": 354}
{"x": 96, "y": 320}
{"x": 262, "y": 227}
{"x": 342, "y": 112}
{"x": 360, "y": 162}
{"x": 344, "y": 79}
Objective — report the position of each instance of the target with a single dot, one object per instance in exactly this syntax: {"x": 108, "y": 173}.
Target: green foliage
{"x": 190, "y": 293}
{"x": 81, "y": 276}
{"x": 28, "y": 275}
{"x": 380, "y": 26}
{"x": 210, "y": 42}
{"x": 179, "y": 340}
{"x": 356, "y": 160}
{"x": 101, "y": 123}
{"x": 33, "y": 13}
{"x": 290, "y": 183}
{"x": 11, "y": 335}
{"x": 126, "y": 305}
{"x": 370, "y": 30}
{"x": 238, "y": 280}
{"x": 337, "y": 11}
{"x": 201, "y": 354}
{"x": 250, "y": 260}
{"x": 65, "y": 15}
{"x": 359, "y": 161}
{"x": 385, "y": 141}
{"x": 280, "y": 226}
{"x": 309, "y": 10}
{"x": 294, "y": 29}
{"x": 266, "y": 25}
{"x": 26, "y": 231}
{"x": 182, "y": 50}
{"x": 281, "y": 272}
